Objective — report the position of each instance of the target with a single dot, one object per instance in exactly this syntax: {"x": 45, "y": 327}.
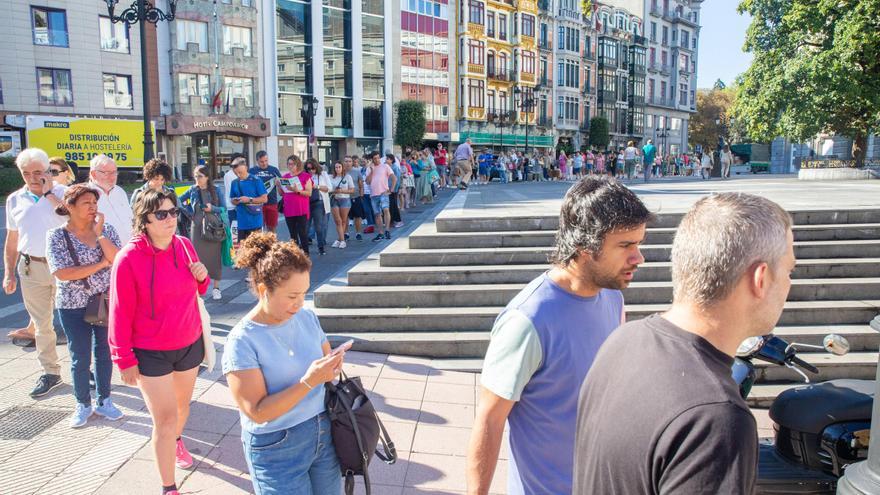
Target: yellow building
{"x": 497, "y": 72}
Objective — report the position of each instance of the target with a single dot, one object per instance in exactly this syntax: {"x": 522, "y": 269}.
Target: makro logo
{"x": 57, "y": 125}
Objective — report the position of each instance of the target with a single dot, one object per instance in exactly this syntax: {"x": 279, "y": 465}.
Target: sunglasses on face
{"x": 163, "y": 214}
{"x": 54, "y": 172}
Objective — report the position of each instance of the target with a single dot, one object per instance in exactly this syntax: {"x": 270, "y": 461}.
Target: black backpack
{"x": 356, "y": 430}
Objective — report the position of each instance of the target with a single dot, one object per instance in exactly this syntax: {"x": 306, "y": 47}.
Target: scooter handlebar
{"x": 805, "y": 365}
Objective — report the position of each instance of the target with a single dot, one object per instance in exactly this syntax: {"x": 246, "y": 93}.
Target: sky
{"x": 722, "y": 35}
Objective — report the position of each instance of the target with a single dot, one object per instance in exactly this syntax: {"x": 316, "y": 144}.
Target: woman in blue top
{"x": 276, "y": 362}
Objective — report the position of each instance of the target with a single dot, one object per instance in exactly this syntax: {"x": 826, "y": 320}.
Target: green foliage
{"x": 816, "y": 70}
{"x": 7, "y": 162}
{"x": 10, "y": 180}
{"x": 599, "y": 132}
{"x": 410, "y": 123}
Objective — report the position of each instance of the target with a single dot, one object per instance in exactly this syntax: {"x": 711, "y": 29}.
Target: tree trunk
{"x": 859, "y": 150}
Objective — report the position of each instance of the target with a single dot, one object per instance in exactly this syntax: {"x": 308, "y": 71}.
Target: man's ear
{"x": 759, "y": 279}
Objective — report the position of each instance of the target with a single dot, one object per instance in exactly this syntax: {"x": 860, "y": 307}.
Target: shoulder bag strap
{"x": 73, "y": 255}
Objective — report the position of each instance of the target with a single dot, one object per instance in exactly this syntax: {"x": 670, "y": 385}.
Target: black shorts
{"x": 161, "y": 363}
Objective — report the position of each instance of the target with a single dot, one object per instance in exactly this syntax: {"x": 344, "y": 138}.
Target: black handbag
{"x": 98, "y": 307}
{"x": 356, "y": 430}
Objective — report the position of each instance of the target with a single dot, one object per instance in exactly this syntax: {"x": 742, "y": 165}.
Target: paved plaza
{"x": 428, "y": 410}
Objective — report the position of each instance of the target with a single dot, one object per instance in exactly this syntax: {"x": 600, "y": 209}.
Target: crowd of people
{"x": 127, "y": 288}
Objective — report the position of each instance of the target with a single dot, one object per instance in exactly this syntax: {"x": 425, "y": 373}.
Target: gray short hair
{"x": 99, "y": 160}
{"x": 29, "y": 155}
{"x": 719, "y": 239}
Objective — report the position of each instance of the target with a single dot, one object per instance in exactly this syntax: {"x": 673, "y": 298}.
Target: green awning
{"x": 497, "y": 139}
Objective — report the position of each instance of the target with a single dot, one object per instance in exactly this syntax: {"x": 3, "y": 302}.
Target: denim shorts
{"x": 340, "y": 202}
{"x": 299, "y": 459}
{"x": 380, "y": 203}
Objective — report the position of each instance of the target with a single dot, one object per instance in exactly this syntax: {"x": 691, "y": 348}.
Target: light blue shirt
{"x": 283, "y": 353}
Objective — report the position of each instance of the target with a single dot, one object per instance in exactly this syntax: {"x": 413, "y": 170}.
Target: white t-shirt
{"x": 343, "y": 182}
{"x": 228, "y": 177}
{"x": 630, "y": 153}
{"x": 117, "y": 211}
{"x": 32, "y": 217}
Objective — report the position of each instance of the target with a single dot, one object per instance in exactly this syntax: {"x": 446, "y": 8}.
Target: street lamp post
{"x": 662, "y": 134}
{"x": 527, "y": 103}
{"x": 141, "y": 12}
{"x": 308, "y": 115}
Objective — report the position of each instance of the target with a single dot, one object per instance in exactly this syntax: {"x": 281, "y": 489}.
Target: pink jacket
{"x": 153, "y": 299}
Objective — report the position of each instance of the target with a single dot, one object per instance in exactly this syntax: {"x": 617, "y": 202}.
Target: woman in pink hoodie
{"x": 155, "y": 326}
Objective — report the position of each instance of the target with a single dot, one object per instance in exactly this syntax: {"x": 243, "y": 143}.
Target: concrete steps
{"x": 422, "y": 296}
{"x": 473, "y": 344}
{"x": 371, "y": 273}
{"x": 652, "y": 252}
{"x": 427, "y": 238}
{"x": 458, "y": 319}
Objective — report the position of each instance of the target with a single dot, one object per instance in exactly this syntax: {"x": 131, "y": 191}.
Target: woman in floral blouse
{"x": 80, "y": 254}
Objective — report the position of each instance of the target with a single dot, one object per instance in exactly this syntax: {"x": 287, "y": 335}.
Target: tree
{"x": 816, "y": 70}
{"x": 712, "y": 105}
{"x": 410, "y": 123}
{"x": 599, "y": 135}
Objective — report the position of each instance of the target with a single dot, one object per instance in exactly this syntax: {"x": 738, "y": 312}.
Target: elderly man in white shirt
{"x": 113, "y": 202}
{"x": 30, "y": 214}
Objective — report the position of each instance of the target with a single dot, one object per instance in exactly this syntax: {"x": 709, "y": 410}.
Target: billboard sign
{"x": 79, "y": 140}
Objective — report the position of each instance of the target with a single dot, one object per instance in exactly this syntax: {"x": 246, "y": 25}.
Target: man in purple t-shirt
{"x": 378, "y": 175}
{"x": 543, "y": 343}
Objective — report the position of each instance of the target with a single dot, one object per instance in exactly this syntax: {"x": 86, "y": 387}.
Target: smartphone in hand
{"x": 342, "y": 347}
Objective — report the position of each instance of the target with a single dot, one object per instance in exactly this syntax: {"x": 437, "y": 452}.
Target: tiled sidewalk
{"x": 428, "y": 414}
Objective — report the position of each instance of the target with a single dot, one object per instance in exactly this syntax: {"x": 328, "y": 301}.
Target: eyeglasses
{"x": 163, "y": 214}
{"x": 107, "y": 172}
{"x": 55, "y": 172}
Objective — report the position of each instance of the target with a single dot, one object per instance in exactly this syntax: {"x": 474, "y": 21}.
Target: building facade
{"x": 328, "y": 70}
{"x": 496, "y": 73}
{"x": 210, "y": 65}
{"x": 67, "y": 59}
{"x": 672, "y": 29}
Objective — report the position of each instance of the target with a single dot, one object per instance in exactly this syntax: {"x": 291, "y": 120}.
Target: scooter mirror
{"x": 835, "y": 344}
{"x": 750, "y": 346}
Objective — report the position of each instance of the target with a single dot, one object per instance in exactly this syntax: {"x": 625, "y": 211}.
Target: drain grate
{"x": 24, "y": 423}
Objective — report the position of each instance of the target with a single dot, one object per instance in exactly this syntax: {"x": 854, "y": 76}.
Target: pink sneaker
{"x": 184, "y": 460}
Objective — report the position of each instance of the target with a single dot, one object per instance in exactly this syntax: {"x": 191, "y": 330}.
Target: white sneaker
{"x": 342, "y": 245}
{"x": 81, "y": 415}
{"x": 335, "y": 244}
{"x": 216, "y": 295}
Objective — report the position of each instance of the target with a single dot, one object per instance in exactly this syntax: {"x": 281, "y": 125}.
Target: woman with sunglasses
{"x": 61, "y": 171}
{"x": 155, "y": 325}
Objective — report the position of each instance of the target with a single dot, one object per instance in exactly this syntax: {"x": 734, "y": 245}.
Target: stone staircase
{"x": 437, "y": 292}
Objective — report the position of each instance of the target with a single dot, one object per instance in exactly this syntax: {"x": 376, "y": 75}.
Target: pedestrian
{"x": 61, "y": 172}
{"x": 269, "y": 174}
{"x": 30, "y": 214}
{"x": 394, "y": 196}
{"x": 621, "y": 162}
{"x": 649, "y": 152}
{"x": 341, "y": 189}
{"x": 379, "y": 175}
{"x": 248, "y": 194}
{"x": 80, "y": 254}
{"x": 705, "y": 164}
{"x": 407, "y": 184}
{"x": 204, "y": 204}
{"x": 296, "y": 187}
{"x": 562, "y": 163}
{"x": 464, "y": 163}
{"x": 113, "y": 202}
{"x": 600, "y": 163}
{"x": 535, "y": 361}
{"x": 319, "y": 202}
{"x": 157, "y": 173}
{"x": 578, "y": 165}
{"x": 442, "y": 168}
{"x": 423, "y": 185}
{"x": 672, "y": 420}
{"x": 62, "y": 175}
{"x": 484, "y": 162}
{"x": 155, "y": 326}
{"x": 366, "y": 201}
{"x": 591, "y": 161}
{"x": 726, "y": 159}
{"x": 228, "y": 177}
{"x": 356, "y": 213}
{"x": 276, "y": 361}
{"x": 630, "y": 156}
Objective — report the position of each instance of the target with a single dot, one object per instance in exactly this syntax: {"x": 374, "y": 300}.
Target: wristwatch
{"x": 46, "y": 194}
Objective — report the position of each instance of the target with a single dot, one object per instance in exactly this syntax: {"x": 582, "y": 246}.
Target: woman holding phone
{"x": 276, "y": 361}
{"x": 341, "y": 189}
{"x": 296, "y": 187}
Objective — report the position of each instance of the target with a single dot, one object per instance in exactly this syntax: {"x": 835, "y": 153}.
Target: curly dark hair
{"x": 157, "y": 168}
{"x": 72, "y": 195}
{"x": 592, "y": 208}
{"x": 270, "y": 261}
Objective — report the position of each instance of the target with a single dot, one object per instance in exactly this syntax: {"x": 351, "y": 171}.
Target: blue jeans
{"x": 318, "y": 219}
{"x": 300, "y": 459}
{"x": 368, "y": 209}
{"x": 83, "y": 339}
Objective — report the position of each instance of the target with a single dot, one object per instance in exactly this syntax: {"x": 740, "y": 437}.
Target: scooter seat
{"x": 811, "y": 408}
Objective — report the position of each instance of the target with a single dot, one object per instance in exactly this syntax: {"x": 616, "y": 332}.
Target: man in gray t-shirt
{"x": 659, "y": 411}
{"x": 356, "y": 212}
